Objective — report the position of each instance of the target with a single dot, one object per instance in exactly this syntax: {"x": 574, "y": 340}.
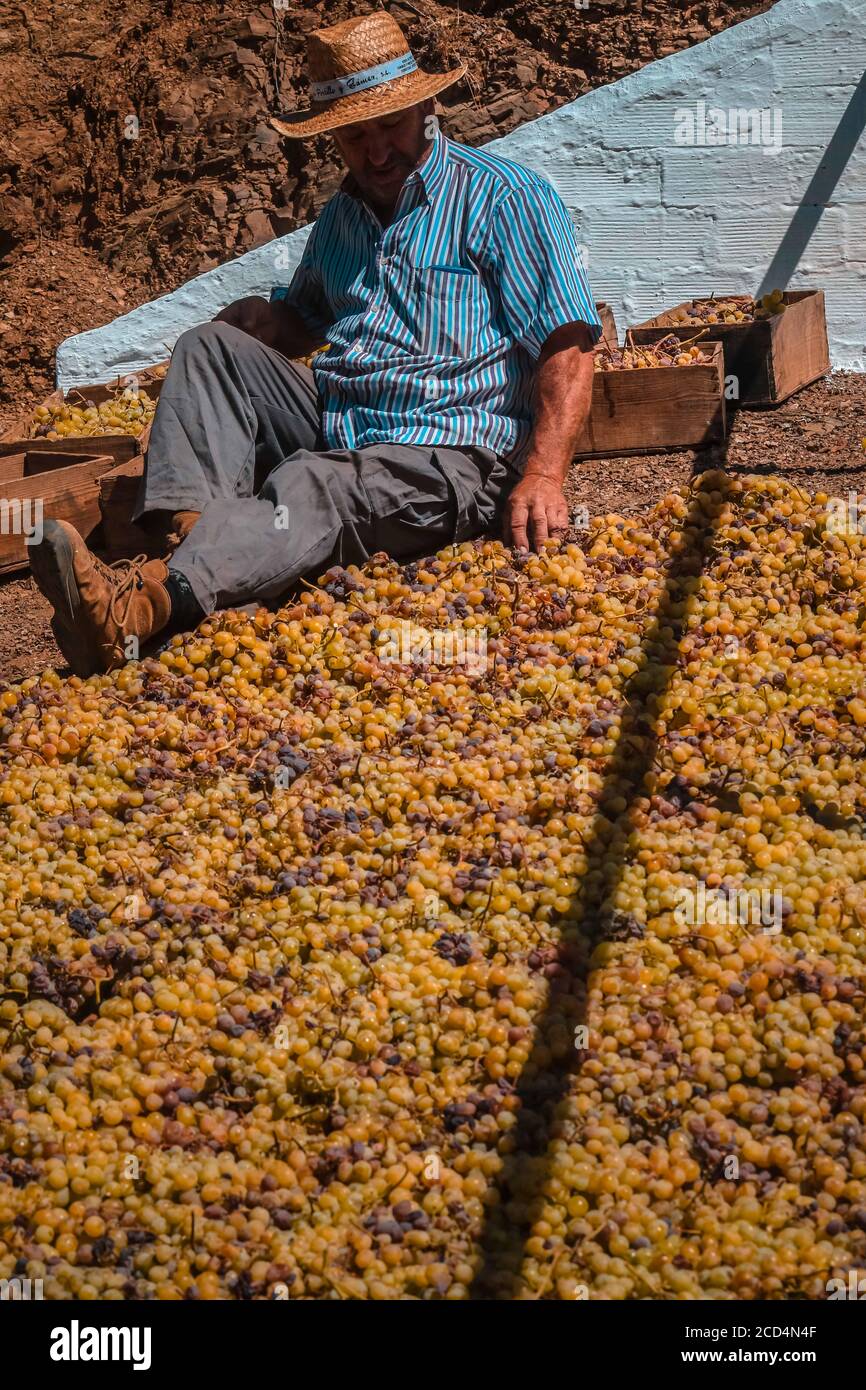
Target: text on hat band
{"x": 357, "y": 81}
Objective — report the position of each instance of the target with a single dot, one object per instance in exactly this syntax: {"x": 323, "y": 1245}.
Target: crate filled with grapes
{"x": 114, "y": 415}
{"x": 655, "y": 396}
{"x": 773, "y": 345}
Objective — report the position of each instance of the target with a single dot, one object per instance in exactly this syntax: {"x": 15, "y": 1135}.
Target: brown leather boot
{"x": 98, "y": 607}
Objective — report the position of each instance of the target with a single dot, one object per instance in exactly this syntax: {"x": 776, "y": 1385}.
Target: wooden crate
{"x": 119, "y": 446}
{"x": 118, "y": 491}
{"x": 67, "y": 491}
{"x": 772, "y": 358}
{"x": 608, "y": 325}
{"x": 649, "y": 409}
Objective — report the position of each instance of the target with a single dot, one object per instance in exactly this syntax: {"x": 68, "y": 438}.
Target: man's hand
{"x": 561, "y": 401}
{"x": 274, "y": 323}
{"x": 535, "y": 511}
{"x": 253, "y": 315}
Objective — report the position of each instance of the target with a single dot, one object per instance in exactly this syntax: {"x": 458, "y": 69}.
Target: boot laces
{"x": 125, "y": 579}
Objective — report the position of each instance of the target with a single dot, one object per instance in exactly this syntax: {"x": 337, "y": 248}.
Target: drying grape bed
{"x": 324, "y": 977}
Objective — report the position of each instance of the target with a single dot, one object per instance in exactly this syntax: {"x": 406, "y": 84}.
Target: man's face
{"x": 382, "y": 153}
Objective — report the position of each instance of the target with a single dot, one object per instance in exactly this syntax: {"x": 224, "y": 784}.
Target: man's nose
{"x": 379, "y": 150}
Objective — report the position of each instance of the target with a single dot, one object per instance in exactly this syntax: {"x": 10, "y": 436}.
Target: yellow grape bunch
{"x": 667, "y": 352}
{"x": 737, "y": 309}
{"x": 127, "y": 412}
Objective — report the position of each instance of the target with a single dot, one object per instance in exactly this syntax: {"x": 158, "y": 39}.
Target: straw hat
{"x": 358, "y": 70}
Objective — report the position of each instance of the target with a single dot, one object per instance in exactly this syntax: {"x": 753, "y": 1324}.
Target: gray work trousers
{"x": 237, "y": 436}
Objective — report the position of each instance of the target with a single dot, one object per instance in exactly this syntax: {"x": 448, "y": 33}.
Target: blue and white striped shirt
{"x": 435, "y": 321}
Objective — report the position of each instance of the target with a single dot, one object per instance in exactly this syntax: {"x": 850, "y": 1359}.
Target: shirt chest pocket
{"x": 452, "y": 311}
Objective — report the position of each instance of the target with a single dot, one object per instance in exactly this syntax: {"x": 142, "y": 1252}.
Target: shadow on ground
{"x": 517, "y": 1201}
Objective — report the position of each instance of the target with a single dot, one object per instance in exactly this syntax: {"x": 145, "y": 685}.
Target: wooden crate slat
{"x": 608, "y": 325}
{"x": 67, "y": 493}
{"x": 41, "y": 462}
{"x": 118, "y": 492}
{"x": 119, "y": 446}
{"x": 800, "y": 349}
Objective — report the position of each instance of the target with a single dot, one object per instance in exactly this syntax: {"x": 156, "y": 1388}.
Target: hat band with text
{"x": 358, "y": 81}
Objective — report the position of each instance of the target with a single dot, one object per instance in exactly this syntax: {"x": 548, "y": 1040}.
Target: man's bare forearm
{"x": 537, "y": 509}
{"x": 562, "y": 399}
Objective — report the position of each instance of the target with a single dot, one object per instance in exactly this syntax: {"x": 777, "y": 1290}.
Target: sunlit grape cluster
{"x": 738, "y": 308}
{"x": 127, "y": 412}
{"x": 326, "y": 976}
{"x": 667, "y": 352}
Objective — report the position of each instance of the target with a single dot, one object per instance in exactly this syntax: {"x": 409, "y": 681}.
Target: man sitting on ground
{"x": 456, "y": 379}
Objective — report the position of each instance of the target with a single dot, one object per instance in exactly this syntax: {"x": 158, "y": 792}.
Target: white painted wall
{"x": 660, "y": 220}
{"x": 147, "y": 334}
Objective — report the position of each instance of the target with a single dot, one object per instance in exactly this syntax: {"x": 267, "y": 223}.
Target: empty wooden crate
{"x": 36, "y": 485}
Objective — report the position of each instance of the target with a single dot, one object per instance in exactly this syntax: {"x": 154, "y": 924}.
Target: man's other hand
{"x": 252, "y": 315}
{"x": 274, "y": 323}
{"x": 535, "y": 511}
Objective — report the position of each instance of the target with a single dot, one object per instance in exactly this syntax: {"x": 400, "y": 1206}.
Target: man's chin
{"x": 386, "y": 185}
